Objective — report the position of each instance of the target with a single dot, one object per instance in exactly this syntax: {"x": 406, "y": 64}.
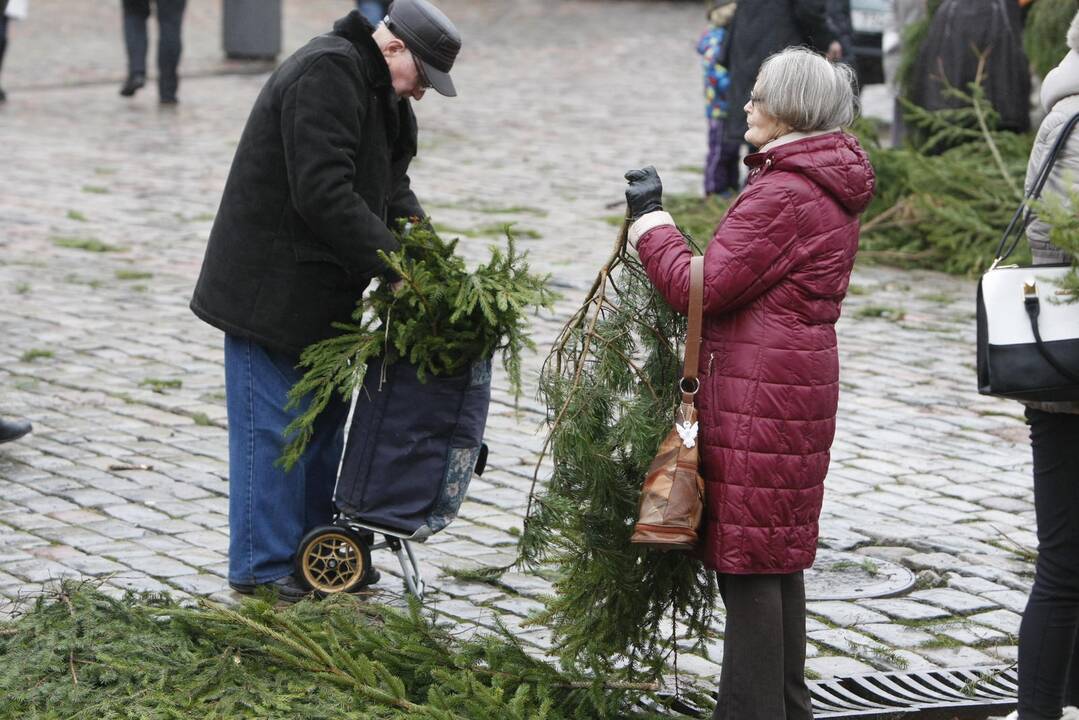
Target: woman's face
{"x": 763, "y": 128}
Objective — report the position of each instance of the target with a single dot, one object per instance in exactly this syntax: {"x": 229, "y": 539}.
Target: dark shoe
{"x": 289, "y": 590}
{"x": 372, "y": 577}
{"x": 169, "y": 100}
{"x": 132, "y": 85}
{"x": 13, "y": 429}
{"x": 3, "y": 95}
{"x": 286, "y": 588}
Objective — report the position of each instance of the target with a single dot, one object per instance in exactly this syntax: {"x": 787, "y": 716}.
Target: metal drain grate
{"x": 971, "y": 694}
{"x": 968, "y": 694}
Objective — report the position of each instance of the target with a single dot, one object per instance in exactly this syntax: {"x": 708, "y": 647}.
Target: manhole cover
{"x": 847, "y": 576}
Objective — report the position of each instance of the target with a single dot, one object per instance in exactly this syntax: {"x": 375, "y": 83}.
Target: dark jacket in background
{"x": 320, "y": 172}
{"x": 842, "y": 27}
{"x": 763, "y": 27}
{"x": 956, "y": 30}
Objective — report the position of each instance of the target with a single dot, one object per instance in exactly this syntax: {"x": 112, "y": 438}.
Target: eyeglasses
{"x": 424, "y": 82}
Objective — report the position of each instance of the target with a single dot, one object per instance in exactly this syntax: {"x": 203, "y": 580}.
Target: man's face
{"x": 405, "y": 73}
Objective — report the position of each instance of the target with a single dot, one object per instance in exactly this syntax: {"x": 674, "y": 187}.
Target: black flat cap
{"x": 431, "y": 37}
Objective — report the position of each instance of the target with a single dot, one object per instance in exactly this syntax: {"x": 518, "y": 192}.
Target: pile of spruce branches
{"x": 443, "y": 318}
{"x": 944, "y": 203}
{"x": 78, "y": 653}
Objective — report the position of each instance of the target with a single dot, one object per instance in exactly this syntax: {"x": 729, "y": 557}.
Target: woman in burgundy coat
{"x": 774, "y": 277}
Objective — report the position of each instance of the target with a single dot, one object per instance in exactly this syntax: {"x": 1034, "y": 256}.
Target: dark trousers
{"x": 764, "y": 649}
{"x": 3, "y": 36}
{"x": 721, "y": 167}
{"x": 1048, "y": 651}
{"x": 170, "y": 15}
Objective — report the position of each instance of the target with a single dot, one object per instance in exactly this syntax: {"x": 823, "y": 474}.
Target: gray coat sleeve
{"x": 1063, "y": 180}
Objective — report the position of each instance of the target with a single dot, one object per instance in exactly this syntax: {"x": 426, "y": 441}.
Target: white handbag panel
{"x": 1006, "y": 315}
{"x": 17, "y": 9}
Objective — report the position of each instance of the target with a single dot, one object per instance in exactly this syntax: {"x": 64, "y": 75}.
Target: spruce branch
{"x": 978, "y": 101}
{"x": 609, "y": 383}
{"x": 442, "y": 320}
{"x": 71, "y": 651}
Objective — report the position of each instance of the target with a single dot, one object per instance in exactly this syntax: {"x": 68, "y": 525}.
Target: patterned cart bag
{"x": 411, "y": 447}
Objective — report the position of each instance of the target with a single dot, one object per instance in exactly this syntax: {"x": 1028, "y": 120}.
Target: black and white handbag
{"x": 1028, "y": 327}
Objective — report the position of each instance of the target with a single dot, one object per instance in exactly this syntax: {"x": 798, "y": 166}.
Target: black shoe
{"x": 132, "y": 85}
{"x": 370, "y": 578}
{"x": 13, "y": 429}
{"x": 287, "y": 589}
{"x": 3, "y": 95}
{"x": 169, "y": 100}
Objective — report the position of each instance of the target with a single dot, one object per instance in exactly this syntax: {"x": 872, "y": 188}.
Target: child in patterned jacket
{"x": 721, "y": 167}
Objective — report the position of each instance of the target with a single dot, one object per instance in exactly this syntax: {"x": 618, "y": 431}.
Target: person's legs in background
{"x": 730, "y": 160}
{"x": 136, "y": 13}
{"x": 13, "y": 429}
{"x": 1048, "y": 673}
{"x": 712, "y": 167}
{"x": 721, "y": 170}
{"x": 170, "y": 16}
{"x": 270, "y": 509}
{"x": 3, "y": 44}
{"x": 373, "y": 10}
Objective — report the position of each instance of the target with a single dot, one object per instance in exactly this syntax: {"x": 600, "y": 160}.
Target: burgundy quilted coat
{"x": 774, "y": 277}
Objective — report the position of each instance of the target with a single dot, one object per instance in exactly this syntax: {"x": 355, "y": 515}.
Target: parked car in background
{"x": 869, "y": 19}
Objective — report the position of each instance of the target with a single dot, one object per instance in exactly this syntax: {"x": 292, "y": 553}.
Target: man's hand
{"x": 645, "y": 192}
{"x": 835, "y": 51}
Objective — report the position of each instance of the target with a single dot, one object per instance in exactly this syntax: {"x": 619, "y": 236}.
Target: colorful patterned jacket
{"x": 716, "y": 78}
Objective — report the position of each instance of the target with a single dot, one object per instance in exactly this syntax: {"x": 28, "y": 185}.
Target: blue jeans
{"x": 373, "y": 10}
{"x": 269, "y": 509}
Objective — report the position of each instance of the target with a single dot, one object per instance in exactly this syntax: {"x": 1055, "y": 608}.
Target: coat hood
{"x": 834, "y": 161}
{"x": 1062, "y": 81}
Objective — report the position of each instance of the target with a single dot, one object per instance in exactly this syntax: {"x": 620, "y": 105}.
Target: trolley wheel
{"x": 332, "y": 559}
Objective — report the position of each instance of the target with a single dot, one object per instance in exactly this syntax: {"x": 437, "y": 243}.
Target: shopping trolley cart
{"x": 410, "y": 451}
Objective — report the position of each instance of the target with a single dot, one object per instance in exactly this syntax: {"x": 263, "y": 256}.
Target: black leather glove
{"x": 645, "y": 192}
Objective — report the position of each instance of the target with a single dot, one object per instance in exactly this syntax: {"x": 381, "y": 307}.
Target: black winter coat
{"x": 763, "y": 27}
{"x": 957, "y": 32}
{"x": 320, "y": 172}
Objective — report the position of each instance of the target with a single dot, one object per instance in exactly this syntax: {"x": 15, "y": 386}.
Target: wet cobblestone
{"x": 125, "y": 477}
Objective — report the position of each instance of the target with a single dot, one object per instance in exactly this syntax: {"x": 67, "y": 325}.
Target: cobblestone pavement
{"x": 105, "y": 205}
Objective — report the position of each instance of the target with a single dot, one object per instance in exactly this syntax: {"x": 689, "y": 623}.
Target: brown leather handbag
{"x": 672, "y": 499}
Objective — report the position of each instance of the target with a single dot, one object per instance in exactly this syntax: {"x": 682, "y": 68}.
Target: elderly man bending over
{"x": 319, "y": 177}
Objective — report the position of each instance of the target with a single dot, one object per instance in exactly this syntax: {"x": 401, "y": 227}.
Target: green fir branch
{"x": 442, "y": 320}
{"x": 143, "y": 656}
{"x": 610, "y": 385}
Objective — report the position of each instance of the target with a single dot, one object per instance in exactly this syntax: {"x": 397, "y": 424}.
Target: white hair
{"x": 1073, "y": 34}
{"x": 806, "y": 91}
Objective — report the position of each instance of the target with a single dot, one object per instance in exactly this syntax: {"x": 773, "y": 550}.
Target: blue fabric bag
{"x": 411, "y": 447}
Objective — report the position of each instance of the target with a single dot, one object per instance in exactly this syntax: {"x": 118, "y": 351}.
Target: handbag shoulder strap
{"x": 1023, "y": 214}
{"x": 690, "y": 383}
